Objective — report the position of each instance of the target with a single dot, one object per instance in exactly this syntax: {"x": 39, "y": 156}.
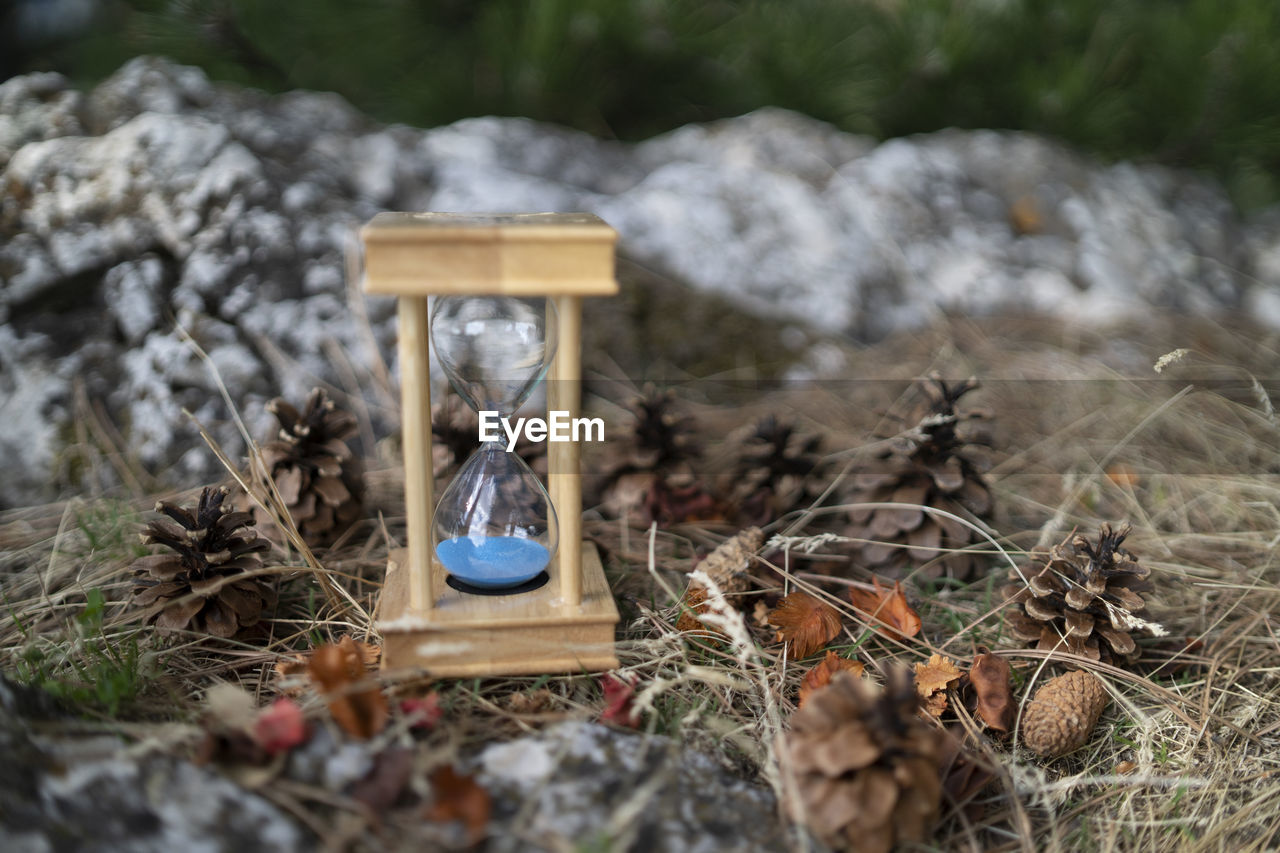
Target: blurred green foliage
{"x": 1191, "y": 83}
{"x": 85, "y": 666}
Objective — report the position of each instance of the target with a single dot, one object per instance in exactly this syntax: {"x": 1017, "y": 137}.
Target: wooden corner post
{"x": 415, "y": 435}
{"x": 567, "y": 625}
{"x": 564, "y": 459}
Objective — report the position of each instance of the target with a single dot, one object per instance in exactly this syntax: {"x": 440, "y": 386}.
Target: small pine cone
{"x": 655, "y": 455}
{"x": 1082, "y": 598}
{"x": 662, "y": 436}
{"x": 319, "y": 479}
{"x": 929, "y": 465}
{"x": 1062, "y": 715}
{"x": 774, "y": 469}
{"x": 199, "y": 583}
{"x": 865, "y": 767}
{"x": 727, "y": 566}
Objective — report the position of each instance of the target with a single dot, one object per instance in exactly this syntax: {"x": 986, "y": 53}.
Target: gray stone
{"x": 87, "y": 794}
{"x": 582, "y": 784}
{"x": 36, "y": 107}
{"x": 573, "y": 785}
{"x": 133, "y": 291}
{"x": 160, "y": 199}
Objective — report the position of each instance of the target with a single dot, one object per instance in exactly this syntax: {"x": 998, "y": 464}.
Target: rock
{"x": 571, "y": 785}
{"x": 37, "y": 107}
{"x": 581, "y": 783}
{"x": 160, "y": 206}
{"x": 88, "y": 794}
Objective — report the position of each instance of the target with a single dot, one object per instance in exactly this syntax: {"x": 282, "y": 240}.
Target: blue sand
{"x": 493, "y": 561}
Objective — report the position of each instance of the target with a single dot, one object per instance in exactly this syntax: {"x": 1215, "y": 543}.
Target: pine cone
{"x": 199, "y": 584}
{"x": 928, "y": 465}
{"x": 1083, "y": 598}
{"x": 727, "y": 566}
{"x": 865, "y": 765}
{"x": 662, "y": 437}
{"x": 1061, "y": 716}
{"x": 650, "y": 477}
{"x": 773, "y": 472}
{"x": 318, "y": 477}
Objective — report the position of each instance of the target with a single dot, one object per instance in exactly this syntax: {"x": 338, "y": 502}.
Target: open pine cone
{"x": 928, "y": 465}
{"x": 1082, "y": 598}
{"x": 662, "y": 437}
{"x": 865, "y": 765}
{"x": 318, "y": 477}
{"x": 650, "y": 474}
{"x": 200, "y": 583}
{"x": 773, "y": 472}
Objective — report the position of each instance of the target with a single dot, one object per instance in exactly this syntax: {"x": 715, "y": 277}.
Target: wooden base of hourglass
{"x": 474, "y": 635}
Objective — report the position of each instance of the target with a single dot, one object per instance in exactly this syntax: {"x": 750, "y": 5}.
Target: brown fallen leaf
{"x": 934, "y": 705}
{"x": 805, "y": 623}
{"x": 990, "y": 677}
{"x": 461, "y": 798}
{"x": 890, "y": 607}
{"x": 291, "y": 672}
{"x": 938, "y": 673}
{"x": 932, "y": 680}
{"x": 355, "y": 702}
{"x": 821, "y": 674}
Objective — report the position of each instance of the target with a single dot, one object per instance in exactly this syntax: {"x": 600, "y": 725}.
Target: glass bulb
{"x": 494, "y": 525}
{"x": 494, "y": 349}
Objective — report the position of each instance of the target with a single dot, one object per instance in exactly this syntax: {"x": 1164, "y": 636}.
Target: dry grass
{"x": 1183, "y": 758}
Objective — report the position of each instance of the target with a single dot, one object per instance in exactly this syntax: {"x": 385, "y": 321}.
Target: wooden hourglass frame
{"x": 568, "y": 624}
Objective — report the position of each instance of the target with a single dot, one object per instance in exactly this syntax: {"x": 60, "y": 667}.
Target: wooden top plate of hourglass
{"x": 566, "y": 625}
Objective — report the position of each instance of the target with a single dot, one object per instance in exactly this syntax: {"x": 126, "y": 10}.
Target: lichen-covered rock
{"x": 582, "y": 784}
{"x": 571, "y": 785}
{"x": 89, "y": 794}
{"x": 160, "y": 200}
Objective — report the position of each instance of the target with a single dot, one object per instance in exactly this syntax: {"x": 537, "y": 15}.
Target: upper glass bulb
{"x": 494, "y": 349}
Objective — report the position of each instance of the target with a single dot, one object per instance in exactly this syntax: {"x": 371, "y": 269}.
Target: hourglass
{"x": 495, "y": 528}
{"x": 496, "y": 579}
